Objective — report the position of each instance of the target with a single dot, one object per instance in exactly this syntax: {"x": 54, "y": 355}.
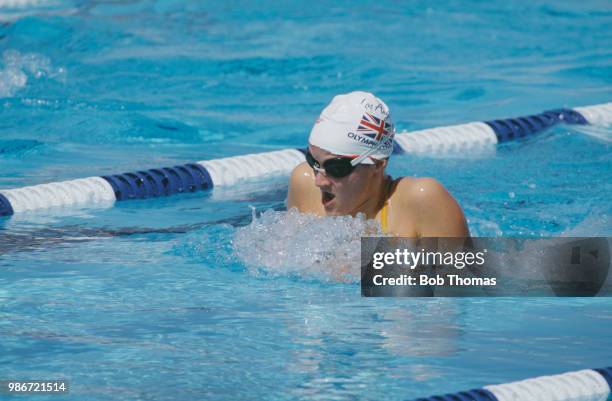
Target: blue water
{"x": 151, "y": 299}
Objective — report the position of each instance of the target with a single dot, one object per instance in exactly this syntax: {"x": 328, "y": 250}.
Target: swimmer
{"x": 344, "y": 174}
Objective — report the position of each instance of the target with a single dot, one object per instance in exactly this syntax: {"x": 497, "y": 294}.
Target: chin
{"x": 331, "y": 212}
{"x": 334, "y": 211}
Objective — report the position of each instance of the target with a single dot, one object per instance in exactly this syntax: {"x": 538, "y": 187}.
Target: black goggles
{"x": 337, "y": 167}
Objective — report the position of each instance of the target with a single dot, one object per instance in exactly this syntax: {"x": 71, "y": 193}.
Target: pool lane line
{"x": 582, "y": 385}
{"x": 204, "y": 175}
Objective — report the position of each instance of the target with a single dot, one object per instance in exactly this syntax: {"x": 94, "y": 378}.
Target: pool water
{"x": 168, "y": 298}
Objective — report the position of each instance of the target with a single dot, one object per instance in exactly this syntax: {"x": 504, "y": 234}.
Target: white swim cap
{"x": 355, "y": 124}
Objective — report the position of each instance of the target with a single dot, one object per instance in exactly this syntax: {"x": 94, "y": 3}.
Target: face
{"x": 347, "y": 195}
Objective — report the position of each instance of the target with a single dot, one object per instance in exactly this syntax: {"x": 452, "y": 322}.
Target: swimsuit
{"x": 385, "y": 209}
{"x": 383, "y": 217}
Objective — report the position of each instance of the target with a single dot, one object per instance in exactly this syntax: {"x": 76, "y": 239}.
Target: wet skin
{"x": 418, "y": 207}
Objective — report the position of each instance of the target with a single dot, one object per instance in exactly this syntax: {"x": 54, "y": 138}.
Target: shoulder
{"x": 303, "y": 194}
{"x": 302, "y": 178}
{"x": 420, "y": 191}
{"x": 434, "y": 211}
{"x": 302, "y": 173}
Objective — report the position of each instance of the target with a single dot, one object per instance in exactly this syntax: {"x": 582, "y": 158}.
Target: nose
{"x": 321, "y": 179}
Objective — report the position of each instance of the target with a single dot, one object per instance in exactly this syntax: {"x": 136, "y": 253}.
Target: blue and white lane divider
{"x": 583, "y": 385}
{"x": 204, "y": 175}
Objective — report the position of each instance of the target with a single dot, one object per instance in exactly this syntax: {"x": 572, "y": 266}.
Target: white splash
{"x": 296, "y": 244}
{"x": 18, "y": 68}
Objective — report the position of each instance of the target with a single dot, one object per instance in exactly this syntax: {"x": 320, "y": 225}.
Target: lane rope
{"x": 206, "y": 174}
{"x": 582, "y": 385}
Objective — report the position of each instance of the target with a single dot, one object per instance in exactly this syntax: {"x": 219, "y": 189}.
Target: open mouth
{"x": 327, "y": 197}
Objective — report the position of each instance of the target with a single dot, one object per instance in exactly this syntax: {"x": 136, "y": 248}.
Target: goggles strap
{"x": 366, "y": 154}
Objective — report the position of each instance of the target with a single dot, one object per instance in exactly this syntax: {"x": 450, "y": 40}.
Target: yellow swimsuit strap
{"x": 383, "y": 217}
{"x": 384, "y": 210}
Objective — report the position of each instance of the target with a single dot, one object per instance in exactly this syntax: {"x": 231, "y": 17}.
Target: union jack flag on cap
{"x": 374, "y": 127}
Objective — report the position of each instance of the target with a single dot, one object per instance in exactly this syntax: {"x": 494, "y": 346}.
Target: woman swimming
{"x": 344, "y": 174}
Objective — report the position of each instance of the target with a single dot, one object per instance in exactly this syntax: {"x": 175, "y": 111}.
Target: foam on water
{"x": 296, "y": 244}
{"x": 328, "y": 249}
{"x": 17, "y": 68}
